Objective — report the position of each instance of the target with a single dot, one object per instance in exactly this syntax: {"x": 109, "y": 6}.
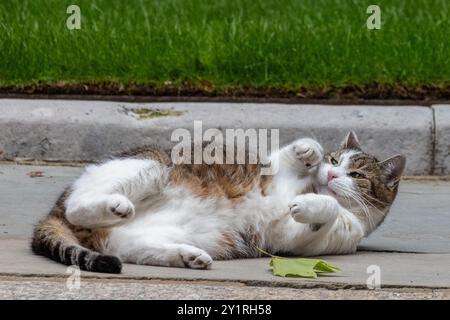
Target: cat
{"x": 142, "y": 209}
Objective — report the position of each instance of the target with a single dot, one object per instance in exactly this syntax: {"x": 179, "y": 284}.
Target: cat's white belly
{"x": 187, "y": 219}
{"x": 179, "y": 217}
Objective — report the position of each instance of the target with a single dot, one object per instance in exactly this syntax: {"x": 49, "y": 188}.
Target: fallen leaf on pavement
{"x": 299, "y": 267}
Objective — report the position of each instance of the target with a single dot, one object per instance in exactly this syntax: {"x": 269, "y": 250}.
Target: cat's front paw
{"x": 119, "y": 206}
{"x": 302, "y": 209}
{"x": 313, "y": 208}
{"x": 308, "y": 151}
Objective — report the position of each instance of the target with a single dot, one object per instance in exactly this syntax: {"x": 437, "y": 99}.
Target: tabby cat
{"x": 141, "y": 208}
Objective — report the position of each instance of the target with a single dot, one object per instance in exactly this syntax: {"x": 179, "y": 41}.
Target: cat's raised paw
{"x": 120, "y": 206}
{"x": 299, "y": 209}
{"x": 308, "y": 151}
{"x": 196, "y": 259}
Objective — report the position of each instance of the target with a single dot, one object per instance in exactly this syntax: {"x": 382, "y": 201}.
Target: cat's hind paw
{"x": 196, "y": 258}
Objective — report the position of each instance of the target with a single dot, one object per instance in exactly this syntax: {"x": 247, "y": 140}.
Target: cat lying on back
{"x": 142, "y": 209}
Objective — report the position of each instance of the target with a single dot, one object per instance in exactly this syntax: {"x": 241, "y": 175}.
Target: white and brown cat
{"x": 142, "y": 209}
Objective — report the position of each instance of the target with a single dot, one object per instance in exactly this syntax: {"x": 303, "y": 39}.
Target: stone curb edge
{"x": 66, "y": 130}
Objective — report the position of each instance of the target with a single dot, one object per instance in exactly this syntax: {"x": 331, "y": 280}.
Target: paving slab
{"x": 25, "y": 199}
{"x": 397, "y": 270}
{"x": 89, "y": 130}
{"x": 418, "y": 222}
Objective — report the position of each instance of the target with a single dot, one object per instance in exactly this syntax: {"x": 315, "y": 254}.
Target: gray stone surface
{"x": 418, "y": 221}
{"x": 87, "y": 130}
{"x": 442, "y": 140}
{"x": 115, "y": 289}
{"x": 397, "y": 269}
{"x": 24, "y": 199}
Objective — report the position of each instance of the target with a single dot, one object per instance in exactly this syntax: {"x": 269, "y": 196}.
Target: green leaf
{"x": 300, "y": 267}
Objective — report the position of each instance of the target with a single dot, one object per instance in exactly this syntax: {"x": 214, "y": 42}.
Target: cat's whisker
{"x": 348, "y": 192}
{"x": 374, "y": 199}
{"x": 374, "y": 207}
{"x": 363, "y": 201}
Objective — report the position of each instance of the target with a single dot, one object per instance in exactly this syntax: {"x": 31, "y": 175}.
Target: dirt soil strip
{"x": 373, "y": 94}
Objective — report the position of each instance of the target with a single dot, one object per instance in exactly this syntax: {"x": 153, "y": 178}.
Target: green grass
{"x": 225, "y": 43}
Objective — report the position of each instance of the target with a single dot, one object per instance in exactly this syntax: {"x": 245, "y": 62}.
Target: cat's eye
{"x": 333, "y": 161}
{"x": 356, "y": 175}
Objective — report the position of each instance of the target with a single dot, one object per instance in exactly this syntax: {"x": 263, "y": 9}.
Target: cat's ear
{"x": 392, "y": 169}
{"x": 351, "y": 141}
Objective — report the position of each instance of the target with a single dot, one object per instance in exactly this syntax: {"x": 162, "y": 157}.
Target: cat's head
{"x": 359, "y": 181}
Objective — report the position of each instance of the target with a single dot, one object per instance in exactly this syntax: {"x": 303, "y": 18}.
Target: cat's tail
{"x": 54, "y": 239}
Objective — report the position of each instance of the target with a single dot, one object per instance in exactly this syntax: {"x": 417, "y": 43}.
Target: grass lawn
{"x": 220, "y": 44}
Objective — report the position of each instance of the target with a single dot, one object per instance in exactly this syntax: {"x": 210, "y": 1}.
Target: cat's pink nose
{"x": 331, "y": 175}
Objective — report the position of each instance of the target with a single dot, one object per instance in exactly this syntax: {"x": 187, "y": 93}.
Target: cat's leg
{"x": 157, "y": 247}
{"x": 169, "y": 255}
{"x": 333, "y": 228}
{"x": 106, "y": 194}
{"x": 300, "y": 158}
{"x": 99, "y": 210}
{"x": 314, "y": 208}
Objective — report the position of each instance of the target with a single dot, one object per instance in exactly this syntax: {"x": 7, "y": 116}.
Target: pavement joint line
{"x": 390, "y": 251}
{"x": 433, "y": 141}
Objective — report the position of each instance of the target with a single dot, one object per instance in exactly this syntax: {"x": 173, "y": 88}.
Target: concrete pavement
{"x": 418, "y": 222}
{"x": 397, "y": 270}
{"x": 416, "y": 229}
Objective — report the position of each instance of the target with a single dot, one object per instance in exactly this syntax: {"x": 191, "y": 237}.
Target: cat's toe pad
{"x": 197, "y": 259}
{"x": 120, "y": 206}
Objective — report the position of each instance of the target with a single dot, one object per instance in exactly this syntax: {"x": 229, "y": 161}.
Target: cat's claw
{"x": 120, "y": 206}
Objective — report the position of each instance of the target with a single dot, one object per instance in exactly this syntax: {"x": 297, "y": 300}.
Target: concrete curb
{"x": 90, "y": 130}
